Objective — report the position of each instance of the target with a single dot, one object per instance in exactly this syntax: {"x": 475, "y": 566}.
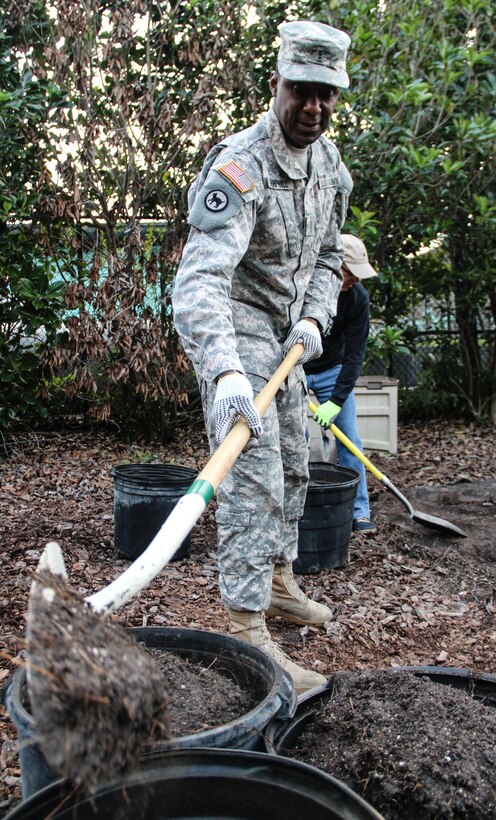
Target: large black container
{"x": 144, "y": 496}
{"x": 254, "y": 671}
{"x": 282, "y": 735}
{"x": 201, "y": 784}
{"x": 325, "y": 527}
{"x": 35, "y": 771}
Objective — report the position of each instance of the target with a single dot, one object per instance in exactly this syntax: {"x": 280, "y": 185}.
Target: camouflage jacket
{"x": 264, "y": 250}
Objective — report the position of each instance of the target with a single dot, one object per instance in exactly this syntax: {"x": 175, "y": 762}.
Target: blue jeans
{"x": 322, "y": 385}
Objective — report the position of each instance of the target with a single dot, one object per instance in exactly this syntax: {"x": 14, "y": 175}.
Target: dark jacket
{"x": 346, "y": 342}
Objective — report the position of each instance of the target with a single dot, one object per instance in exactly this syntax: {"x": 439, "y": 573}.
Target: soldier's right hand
{"x": 233, "y": 400}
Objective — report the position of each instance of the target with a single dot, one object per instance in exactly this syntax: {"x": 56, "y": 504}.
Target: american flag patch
{"x": 235, "y": 174}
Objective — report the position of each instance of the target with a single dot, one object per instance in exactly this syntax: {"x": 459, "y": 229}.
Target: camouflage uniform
{"x": 264, "y": 251}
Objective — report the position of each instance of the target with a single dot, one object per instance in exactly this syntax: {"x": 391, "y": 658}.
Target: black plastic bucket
{"x": 35, "y": 771}
{"x": 255, "y": 672}
{"x": 202, "y": 784}
{"x": 282, "y": 735}
{"x": 144, "y": 496}
{"x": 325, "y": 527}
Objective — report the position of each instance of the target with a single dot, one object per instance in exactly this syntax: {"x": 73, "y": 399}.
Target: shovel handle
{"x": 234, "y": 443}
{"x": 351, "y": 447}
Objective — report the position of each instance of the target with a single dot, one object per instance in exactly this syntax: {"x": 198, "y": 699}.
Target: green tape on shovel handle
{"x": 203, "y": 488}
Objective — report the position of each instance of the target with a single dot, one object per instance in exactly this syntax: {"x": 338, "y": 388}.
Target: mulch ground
{"x": 407, "y": 596}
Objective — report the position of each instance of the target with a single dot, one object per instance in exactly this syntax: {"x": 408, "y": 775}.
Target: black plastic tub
{"x": 282, "y": 735}
{"x": 254, "y": 671}
{"x": 144, "y": 497}
{"x": 479, "y": 685}
{"x": 205, "y": 784}
{"x": 324, "y": 530}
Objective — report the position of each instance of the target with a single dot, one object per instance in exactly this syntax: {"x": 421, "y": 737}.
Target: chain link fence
{"x": 432, "y": 353}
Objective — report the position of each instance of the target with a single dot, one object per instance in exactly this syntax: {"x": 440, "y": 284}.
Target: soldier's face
{"x": 303, "y": 109}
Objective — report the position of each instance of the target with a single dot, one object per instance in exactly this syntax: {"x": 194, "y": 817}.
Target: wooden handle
{"x": 190, "y": 507}
{"x": 228, "y": 451}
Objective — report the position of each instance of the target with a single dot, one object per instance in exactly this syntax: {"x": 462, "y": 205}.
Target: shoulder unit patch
{"x": 239, "y": 178}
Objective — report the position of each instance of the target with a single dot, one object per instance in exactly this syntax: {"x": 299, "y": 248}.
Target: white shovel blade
{"x": 52, "y": 560}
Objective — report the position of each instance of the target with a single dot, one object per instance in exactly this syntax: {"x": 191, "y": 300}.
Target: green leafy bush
{"x": 31, "y": 308}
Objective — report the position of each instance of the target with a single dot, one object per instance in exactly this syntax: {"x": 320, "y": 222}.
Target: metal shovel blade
{"x": 432, "y": 521}
{"x": 436, "y": 523}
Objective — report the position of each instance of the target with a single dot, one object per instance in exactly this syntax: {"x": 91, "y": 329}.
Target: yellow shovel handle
{"x": 351, "y": 447}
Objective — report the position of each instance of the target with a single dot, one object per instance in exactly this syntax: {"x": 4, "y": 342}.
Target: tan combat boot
{"x": 250, "y": 627}
{"x": 288, "y": 601}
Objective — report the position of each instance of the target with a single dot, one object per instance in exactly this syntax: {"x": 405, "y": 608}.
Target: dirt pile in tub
{"x": 99, "y": 698}
{"x": 413, "y": 748}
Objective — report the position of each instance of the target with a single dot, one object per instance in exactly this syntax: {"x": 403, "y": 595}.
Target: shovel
{"x": 432, "y": 521}
{"x": 191, "y": 506}
{"x": 94, "y": 692}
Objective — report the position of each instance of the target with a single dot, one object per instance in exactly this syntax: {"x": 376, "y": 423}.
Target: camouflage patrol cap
{"x": 313, "y": 53}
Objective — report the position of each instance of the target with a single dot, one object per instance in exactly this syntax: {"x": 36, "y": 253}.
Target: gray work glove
{"x": 307, "y": 334}
{"x": 234, "y": 399}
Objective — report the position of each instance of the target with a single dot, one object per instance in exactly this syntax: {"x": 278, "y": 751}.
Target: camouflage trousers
{"x": 262, "y": 498}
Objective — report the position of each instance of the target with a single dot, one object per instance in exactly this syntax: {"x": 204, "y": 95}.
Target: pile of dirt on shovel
{"x": 199, "y": 698}
{"x": 412, "y": 748}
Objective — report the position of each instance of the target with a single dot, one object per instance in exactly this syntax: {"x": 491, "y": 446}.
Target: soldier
{"x": 261, "y": 271}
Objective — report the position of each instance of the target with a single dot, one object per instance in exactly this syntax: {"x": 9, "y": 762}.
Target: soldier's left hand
{"x": 307, "y": 334}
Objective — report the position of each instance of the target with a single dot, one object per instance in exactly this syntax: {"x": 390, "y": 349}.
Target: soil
{"x": 201, "y": 698}
{"x": 408, "y": 595}
{"x": 411, "y": 747}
